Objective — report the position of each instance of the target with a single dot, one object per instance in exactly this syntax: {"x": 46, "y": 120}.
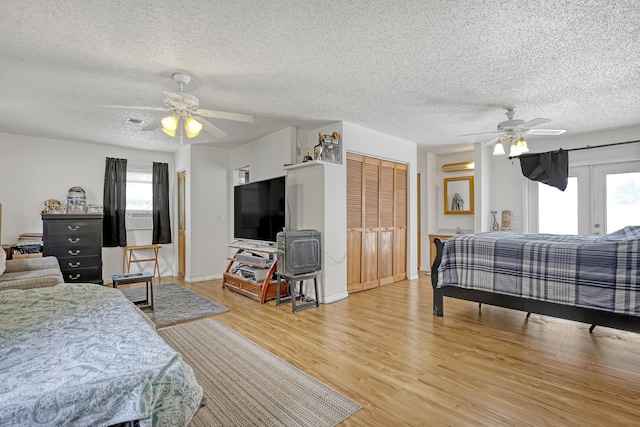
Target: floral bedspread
{"x": 82, "y": 354}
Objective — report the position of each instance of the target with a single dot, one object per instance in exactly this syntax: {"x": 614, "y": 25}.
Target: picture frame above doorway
{"x": 458, "y": 195}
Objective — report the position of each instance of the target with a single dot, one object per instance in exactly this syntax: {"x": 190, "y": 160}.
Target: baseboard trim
{"x": 202, "y": 278}
{"x": 328, "y": 299}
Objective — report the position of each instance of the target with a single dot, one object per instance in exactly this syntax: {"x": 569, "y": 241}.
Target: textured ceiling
{"x": 426, "y": 71}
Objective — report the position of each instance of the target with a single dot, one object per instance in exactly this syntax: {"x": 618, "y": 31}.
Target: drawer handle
{"x": 77, "y": 264}
{"x": 74, "y": 253}
{"x": 76, "y": 277}
{"x": 73, "y": 228}
{"x": 76, "y": 240}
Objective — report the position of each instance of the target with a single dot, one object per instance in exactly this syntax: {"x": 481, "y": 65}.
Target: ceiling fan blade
{"x": 211, "y": 129}
{"x": 545, "y": 132}
{"x": 481, "y": 133}
{"x": 533, "y": 123}
{"x": 154, "y": 124}
{"x": 224, "y": 115}
{"x": 129, "y": 107}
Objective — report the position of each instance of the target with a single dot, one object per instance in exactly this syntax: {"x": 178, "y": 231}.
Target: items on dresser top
{"x": 76, "y": 241}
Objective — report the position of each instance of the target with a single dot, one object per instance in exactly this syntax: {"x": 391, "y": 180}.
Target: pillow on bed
{"x": 3, "y": 261}
{"x": 632, "y": 231}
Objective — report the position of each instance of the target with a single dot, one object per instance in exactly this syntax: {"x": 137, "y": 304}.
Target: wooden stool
{"x": 128, "y": 257}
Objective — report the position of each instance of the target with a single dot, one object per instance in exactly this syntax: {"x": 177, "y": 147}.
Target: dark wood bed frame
{"x": 569, "y": 312}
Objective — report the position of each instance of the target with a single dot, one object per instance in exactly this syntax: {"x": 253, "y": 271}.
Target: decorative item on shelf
{"x": 506, "y": 221}
{"x": 52, "y": 206}
{"x": 317, "y": 150}
{"x": 307, "y": 155}
{"x": 494, "y": 223}
{"x": 76, "y": 200}
{"x": 331, "y": 147}
{"x": 95, "y": 209}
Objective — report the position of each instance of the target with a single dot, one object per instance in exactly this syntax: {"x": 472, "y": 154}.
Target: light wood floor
{"x": 385, "y": 350}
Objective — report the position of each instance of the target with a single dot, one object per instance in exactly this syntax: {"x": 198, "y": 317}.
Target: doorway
{"x": 182, "y": 247}
{"x": 599, "y": 199}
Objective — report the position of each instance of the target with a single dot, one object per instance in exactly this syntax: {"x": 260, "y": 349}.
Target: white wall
{"x": 208, "y": 212}
{"x": 33, "y": 170}
{"x": 266, "y": 156}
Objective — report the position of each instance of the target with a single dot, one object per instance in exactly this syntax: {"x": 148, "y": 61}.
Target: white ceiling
{"x": 425, "y": 71}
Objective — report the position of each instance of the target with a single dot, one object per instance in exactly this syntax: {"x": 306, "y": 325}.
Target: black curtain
{"x": 114, "y": 232}
{"x": 161, "y": 220}
{"x": 551, "y": 168}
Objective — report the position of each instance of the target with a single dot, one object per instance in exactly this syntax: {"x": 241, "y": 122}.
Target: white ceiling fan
{"x": 183, "y": 108}
{"x": 513, "y": 130}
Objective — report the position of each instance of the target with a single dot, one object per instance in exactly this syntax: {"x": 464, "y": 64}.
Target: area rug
{"x": 174, "y": 304}
{"x": 246, "y": 385}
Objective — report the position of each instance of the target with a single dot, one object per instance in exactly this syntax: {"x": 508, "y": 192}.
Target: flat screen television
{"x": 259, "y": 209}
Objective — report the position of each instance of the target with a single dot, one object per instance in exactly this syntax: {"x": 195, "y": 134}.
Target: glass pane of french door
{"x": 557, "y": 210}
{"x": 623, "y": 200}
{"x": 599, "y": 199}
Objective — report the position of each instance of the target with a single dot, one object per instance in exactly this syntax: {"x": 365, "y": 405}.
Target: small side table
{"x": 128, "y": 257}
{"x": 293, "y": 294}
{"x": 127, "y": 278}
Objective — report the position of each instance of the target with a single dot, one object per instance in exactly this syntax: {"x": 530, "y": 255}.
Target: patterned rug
{"x": 174, "y": 304}
{"x": 246, "y": 385}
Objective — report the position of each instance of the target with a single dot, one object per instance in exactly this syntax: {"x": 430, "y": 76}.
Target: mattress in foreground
{"x": 82, "y": 354}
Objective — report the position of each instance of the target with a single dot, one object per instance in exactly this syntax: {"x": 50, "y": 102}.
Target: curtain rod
{"x": 588, "y": 147}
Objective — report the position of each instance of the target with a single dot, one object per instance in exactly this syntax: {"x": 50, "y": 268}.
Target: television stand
{"x": 250, "y": 262}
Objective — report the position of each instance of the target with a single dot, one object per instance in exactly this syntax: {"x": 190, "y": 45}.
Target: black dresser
{"x": 76, "y": 240}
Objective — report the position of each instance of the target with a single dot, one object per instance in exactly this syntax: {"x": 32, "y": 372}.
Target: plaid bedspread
{"x": 599, "y": 272}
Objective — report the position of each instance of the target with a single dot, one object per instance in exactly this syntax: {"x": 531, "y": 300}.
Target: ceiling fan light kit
{"x": 498, "y": 150}
{"x": 183, "y": 107}
{"x": 513, "y": 131}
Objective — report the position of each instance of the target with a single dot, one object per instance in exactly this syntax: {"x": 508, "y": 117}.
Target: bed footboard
{"x": 438, "y": 300}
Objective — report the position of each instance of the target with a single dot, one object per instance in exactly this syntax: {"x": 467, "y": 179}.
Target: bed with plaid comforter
{"x": 591, "y": 272}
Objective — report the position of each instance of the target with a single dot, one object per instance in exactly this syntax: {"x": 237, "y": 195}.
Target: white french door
{"x": 599, "y": 199}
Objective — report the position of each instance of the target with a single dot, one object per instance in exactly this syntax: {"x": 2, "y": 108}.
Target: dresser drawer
{"x": 75, "y": 263}
{"x": 68, "y": 227}
{"x": 72, "y": 251}
{"x": 73, "y": 239}
{"x": 82, "y": 275}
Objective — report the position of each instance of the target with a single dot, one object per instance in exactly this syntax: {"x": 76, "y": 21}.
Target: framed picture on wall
{"x": 458, "y": 195}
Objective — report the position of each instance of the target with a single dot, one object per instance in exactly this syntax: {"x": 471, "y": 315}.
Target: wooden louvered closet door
{"x": 387, "y": 210}
{"x": 376, "y": 222}
{"x": 400, "y": 243}
{"x": 354, "y": 222}
{"x": 371, "y": 204}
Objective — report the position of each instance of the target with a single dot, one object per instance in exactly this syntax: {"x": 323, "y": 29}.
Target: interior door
{"x": 182, "y": 248}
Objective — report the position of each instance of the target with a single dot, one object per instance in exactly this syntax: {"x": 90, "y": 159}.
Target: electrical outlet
{"x": 224, "y": 218}
{"x": 517, "y": 215}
